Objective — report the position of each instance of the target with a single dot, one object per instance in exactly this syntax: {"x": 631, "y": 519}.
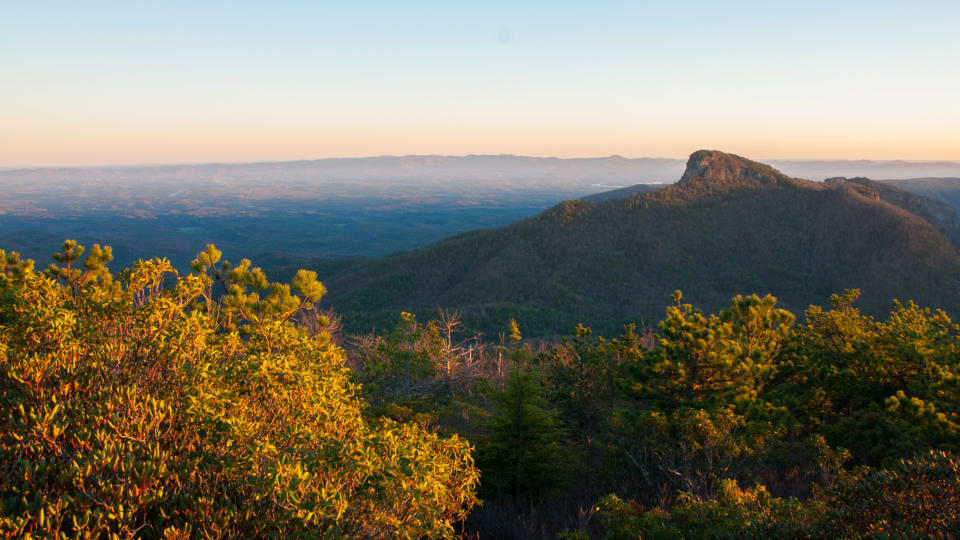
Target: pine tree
{"x": 524, "y": 454}
{"x": 709, "y": 360}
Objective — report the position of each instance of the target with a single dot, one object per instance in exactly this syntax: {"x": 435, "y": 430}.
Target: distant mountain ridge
{"x": 424, "y": 168}
{"x": 729, "y": 226}
{"x": 615, "y": 170}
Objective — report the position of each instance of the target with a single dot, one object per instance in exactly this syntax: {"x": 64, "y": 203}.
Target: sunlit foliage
{"x": 159, "y": 405}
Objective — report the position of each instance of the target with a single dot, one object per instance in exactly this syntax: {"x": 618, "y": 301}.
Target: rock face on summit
{"x": 712, "y": 165}
{"x": 730, "y": 226}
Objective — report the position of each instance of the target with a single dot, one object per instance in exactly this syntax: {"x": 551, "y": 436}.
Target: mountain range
{"x": 729, "y": 226}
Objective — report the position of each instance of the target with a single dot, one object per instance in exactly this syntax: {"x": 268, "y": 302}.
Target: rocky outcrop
{"x": 719, "y": 167}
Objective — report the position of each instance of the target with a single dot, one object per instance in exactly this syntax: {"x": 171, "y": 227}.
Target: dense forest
{"x": 219, "y": 404}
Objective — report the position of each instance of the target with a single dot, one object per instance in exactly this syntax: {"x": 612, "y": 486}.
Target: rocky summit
{"x": 716, "y": 166}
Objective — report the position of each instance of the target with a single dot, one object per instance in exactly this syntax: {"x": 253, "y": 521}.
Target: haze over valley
{"x": 337, "y": 207}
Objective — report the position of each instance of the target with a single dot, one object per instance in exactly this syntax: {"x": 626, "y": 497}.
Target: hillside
{"x": 937, "y": 212}
{"x": 729, "y": 226}
{"x": 936, "y": 200}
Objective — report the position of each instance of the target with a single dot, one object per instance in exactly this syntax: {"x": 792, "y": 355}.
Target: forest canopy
{"x": 220, "y": 404}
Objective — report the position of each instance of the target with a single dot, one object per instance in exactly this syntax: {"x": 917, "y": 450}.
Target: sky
{"x": 98, "y": 83}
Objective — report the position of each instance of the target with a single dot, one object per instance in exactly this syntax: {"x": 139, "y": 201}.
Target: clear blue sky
{"x": 87, "y": 82}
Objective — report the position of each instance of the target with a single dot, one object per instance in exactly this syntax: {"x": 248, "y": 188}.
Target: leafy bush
{"x": 155, "y": 405}
{"x": 916, "y": 498}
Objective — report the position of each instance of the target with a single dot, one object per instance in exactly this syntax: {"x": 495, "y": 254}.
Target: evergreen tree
{"x": 523, "y": 454}
{"x": 709, "y": 360}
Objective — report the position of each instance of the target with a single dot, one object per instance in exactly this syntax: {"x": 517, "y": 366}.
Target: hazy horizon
{"x": 134, "y": 165}
{"x": 471, "y": 170}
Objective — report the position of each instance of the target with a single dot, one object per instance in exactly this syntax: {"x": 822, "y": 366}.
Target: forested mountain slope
{"x": 937, "y": 212}
{"x": 729, "y": 226}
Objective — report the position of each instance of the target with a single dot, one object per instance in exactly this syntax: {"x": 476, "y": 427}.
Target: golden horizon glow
{"x": 126, "y": 84}
{"x": 126, "y": 145}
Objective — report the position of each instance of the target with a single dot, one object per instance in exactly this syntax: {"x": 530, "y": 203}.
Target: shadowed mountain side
{"x": 937, "y": 213}
{"x": 730, "y": 226}
{"x": 946, "y": 190}
{"x": 934, "y": 199}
